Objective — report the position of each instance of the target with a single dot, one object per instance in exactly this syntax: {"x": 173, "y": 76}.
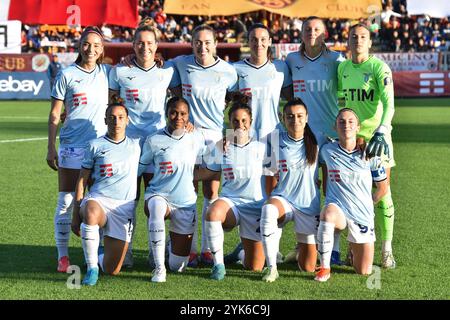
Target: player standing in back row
{"x": 144, "y": 90}
{"x": 82, "y": 89}
{"x": 314, "y": 77}
{"x": 366, "y": 85}
{"x": 205, "y": 81}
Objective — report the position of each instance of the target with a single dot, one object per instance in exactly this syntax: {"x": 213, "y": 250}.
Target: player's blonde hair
{"x": 147, "y": 24}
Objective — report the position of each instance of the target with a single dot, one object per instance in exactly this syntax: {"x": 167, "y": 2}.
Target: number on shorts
{"x": 362, "y": 229}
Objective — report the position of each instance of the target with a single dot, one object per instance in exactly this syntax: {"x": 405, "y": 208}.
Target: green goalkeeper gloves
{"x": 377, "y": 145}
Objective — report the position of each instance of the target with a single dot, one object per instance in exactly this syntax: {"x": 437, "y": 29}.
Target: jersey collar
{"x": 207, "y": 67}
{"x": 292, "y": 139}
{"x": 351, "y": 152}
{"x": 172, "y": 136}
{"x": 84, "y": 70}
{"x": 312, "y": 59}
{"x": 143, "y": 69}
{"x": 254, "y": 66}
{"x": 112, "y": 141}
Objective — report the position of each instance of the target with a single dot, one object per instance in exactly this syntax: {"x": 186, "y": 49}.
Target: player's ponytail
{"x": 309, "y": 139}
{"x": 84, "y": 34}
{"x": 240, "y": 101}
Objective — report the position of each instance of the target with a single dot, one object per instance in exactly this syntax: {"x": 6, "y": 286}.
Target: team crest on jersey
{"x": 218, "y": 76}
{"x": 387, "y": 81}
{"x": 160, "y": 76}
{"x": 367, "y": 76}
{"x": 273, "y": 4}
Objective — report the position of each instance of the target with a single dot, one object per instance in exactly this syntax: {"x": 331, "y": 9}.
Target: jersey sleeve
{"x": 113, "y": 79}
{"x": 322, "y": 155}
{"x": 176, "y": 80}
{"x": 233, "y": 84}
{"x": 340, "y": 69}
{"x": 108, "y": 68}
{"x": 377, "y": 169}
{"x": 146, "y": 156}
{"x": 60, "y": 88}
{"x": 270, "y": 157}
{"x": 386, "y": 89}
{"x": 287, "y": 81}
{"x": 88, "y": 159}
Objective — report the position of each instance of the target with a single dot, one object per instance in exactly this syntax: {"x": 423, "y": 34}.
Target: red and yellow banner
{"x": 348, "y": 9}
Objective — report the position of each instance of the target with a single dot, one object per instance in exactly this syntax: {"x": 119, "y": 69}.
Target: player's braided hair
{"x": 308, "y": 135}
{"x": 307, "y": 20}
{"x": 261, "y": 26}
{"x": 84, "y": 34}
{"x": 116, "y": 101}
{"x": 240, "y": 101}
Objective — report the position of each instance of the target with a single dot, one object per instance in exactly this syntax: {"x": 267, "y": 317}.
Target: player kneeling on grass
{"x": 170, "y": 194}
{"x": 349, "y": 202}
{"x": 242, "y": 195}
{"x": 296, "y": 196}
{"x": 111, "y": 162}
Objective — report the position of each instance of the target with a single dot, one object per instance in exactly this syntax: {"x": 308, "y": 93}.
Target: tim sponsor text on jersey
{"x": 359, "y": 94}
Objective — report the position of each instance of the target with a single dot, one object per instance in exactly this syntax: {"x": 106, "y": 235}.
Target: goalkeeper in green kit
{"x": 365, "y": 83}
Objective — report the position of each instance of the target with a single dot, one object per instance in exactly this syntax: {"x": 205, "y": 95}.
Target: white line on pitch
{"x": 23, "y": 117}
{"x": 23, "y": 140}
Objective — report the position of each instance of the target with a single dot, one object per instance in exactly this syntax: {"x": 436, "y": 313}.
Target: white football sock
{"x": 386, "y": 246}
{"x": 325, "y": 240}
{"x": 270, "y": 233}
{"x": 90, "y": 240}
{"x": 157, "y": 207}
{"x": 215, "y": 238}
{"x": 62, "y": 222}
{"x": 204, "y": 246}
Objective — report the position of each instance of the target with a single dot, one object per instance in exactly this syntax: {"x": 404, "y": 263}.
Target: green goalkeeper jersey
{"x": 368, "y": 89}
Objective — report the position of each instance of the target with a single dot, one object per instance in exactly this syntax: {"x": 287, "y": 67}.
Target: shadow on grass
{"x": 421, "y": 102}
{"x": 23, "y": 128}
{"x": 421, "y": 133}
{"x": 40, "y": 262}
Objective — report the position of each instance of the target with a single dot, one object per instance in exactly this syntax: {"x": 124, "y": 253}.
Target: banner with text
{"x": 24, "y": 86}
{"x": 344, "y": 9}
{"x": 405, "y": 61}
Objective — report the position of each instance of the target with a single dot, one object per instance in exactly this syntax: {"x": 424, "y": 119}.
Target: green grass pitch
{"x": 420, "y": 190}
